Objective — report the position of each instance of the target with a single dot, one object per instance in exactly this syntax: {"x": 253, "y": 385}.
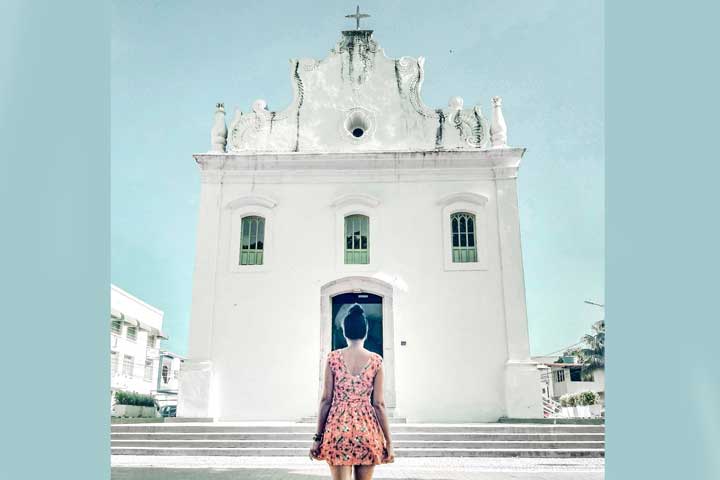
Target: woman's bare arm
{"x": 379, "y": 405}
{"x": 326, "y": 399}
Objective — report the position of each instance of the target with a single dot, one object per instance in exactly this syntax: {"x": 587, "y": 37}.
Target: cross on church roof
{"x": 357, "y": 16}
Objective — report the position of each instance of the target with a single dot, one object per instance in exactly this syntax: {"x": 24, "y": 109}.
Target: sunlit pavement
{"x": 297, "y": 468}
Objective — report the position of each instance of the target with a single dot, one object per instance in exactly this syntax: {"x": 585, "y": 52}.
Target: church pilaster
{"x": 522, "y": 381}
{"x": 513, "y": 283}
{"x": 196, "y": 375}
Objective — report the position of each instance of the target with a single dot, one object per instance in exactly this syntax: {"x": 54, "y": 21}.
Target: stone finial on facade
{"x": 218, "y": 134}
{"x": 498, "y": 128}
{"x": 259, "y": 105}
{"x": 455, "y": 103}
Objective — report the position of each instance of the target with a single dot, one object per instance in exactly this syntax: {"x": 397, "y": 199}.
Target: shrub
{"x": 579, "y": 399}
{"x": 587, "y": 398}
{"x": 133, "y": 398}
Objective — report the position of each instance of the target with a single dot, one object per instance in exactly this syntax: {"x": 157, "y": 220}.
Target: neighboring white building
{"x": 359, "y": 192}
{"x": 566, "y": 378}
{"x": 168, "y": 378}
{"x": 135, "y": 334}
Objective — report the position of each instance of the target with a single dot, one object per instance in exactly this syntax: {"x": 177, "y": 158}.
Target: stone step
{"x": 443, "y": 444}
{"x": 391, "y": 419}
{"x": 427, "y": 436}
{"x": 411, "y": 440}
{"x": 399, "y": 452}
{"x": 187, "y": 419}
{"x": 296, "y": 428}
{"x": 557, "y": 420}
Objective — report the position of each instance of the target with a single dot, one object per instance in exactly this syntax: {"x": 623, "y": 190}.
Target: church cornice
{"x": 292, "y": 167}
{"x": 489, "y": 158}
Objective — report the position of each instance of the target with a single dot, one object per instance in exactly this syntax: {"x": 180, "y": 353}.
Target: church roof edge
{"x": 458, "y": 165}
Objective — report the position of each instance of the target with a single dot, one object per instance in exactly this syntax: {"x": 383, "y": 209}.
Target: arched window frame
{"x": 356, "y": 204}
{"x": 475, "y": 204}
{"x": 246, "y": 206}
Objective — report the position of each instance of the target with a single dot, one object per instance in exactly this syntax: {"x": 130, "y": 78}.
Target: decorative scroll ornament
{"x": 248, "y": 129}
{"x": 410, "y": 74}
{"x": 471, "y": 125}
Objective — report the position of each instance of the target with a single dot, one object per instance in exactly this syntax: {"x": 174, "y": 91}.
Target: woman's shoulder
{"x": 332, "y": 356}
{"x": 376, "y": 357}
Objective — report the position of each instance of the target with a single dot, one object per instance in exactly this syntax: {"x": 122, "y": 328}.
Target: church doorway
{"x": 376, "y": 298}
{"x": 372, "y": 304}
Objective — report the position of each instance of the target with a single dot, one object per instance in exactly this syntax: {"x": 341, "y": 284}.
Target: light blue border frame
{"x": 663, "y": 239}
{"x": 663, "y": 387}
{"x": 54, "y": 184}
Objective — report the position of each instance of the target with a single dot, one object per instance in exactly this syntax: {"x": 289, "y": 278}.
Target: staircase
{"x": 551, "y": 408}
{"x": 410, "y": 440}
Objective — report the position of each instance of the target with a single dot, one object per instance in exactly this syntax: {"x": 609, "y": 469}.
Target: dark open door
{"x": 372, "y": 304}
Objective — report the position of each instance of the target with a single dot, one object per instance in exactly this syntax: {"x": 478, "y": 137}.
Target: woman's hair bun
{"x": 355, "y": 324}
{"x": 356, "y": 309}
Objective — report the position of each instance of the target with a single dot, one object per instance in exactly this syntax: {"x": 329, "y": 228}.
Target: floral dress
{"x": 353, "y": 435}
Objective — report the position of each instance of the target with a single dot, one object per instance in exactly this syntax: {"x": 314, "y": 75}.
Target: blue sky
{"x": 173, "y": 60}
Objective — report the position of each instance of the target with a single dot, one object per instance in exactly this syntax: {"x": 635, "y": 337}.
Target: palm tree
{"x": 592, "y": 353}
{"x": 593, "y": 356}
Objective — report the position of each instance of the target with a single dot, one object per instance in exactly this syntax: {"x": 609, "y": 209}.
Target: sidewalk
{"x": 298, "y": 468}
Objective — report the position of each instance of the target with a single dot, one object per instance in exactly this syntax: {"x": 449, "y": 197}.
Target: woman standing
{"x": 352, "y": 425}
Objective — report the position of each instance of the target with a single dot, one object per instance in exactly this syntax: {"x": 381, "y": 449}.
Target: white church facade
{"x": 359, "y": 193}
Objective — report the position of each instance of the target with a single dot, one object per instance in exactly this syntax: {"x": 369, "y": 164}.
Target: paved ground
{"x": 296, "y": 468}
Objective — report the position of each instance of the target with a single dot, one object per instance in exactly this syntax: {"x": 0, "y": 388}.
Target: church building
{"x": 359, "y": 193}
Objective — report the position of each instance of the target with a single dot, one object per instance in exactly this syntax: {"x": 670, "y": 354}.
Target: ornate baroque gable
{"x": 356, "y": 99}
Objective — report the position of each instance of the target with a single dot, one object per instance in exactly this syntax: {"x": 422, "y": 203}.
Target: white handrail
{"x": 551, "y": 408}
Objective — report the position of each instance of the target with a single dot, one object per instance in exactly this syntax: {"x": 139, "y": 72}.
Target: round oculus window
{"x": 357, "y": 124}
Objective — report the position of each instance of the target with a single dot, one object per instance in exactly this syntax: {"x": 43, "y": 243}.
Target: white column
{"x": 523, "y": 391}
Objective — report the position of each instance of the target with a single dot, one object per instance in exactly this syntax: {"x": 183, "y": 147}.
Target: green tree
{"x": 591, "y": 353}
